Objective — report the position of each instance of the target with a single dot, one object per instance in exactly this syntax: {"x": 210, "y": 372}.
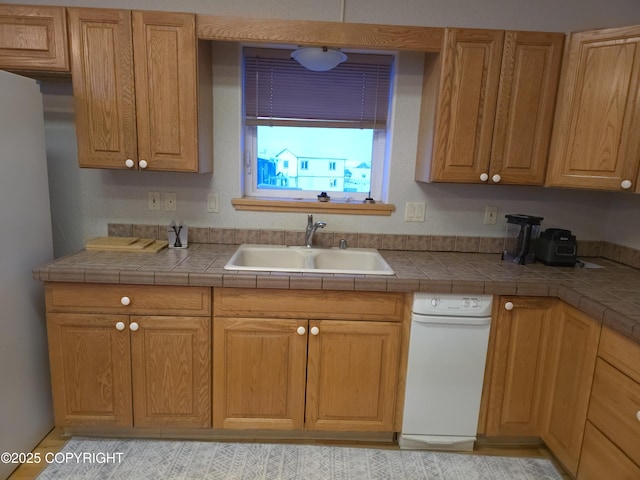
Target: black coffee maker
{"x": 522, "y": 232}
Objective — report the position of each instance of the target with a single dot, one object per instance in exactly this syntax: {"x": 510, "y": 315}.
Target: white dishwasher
{"x": 447, "y": 355}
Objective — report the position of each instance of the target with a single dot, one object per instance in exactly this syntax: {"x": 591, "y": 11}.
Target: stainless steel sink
{"x": 279, "y": 258}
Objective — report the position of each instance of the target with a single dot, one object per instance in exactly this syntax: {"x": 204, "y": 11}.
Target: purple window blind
{"x": 279, "y": 91}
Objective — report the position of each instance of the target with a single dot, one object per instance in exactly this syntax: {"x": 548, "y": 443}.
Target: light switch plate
{"x": 415, "y": 211}
{"x": 212, "y": 203}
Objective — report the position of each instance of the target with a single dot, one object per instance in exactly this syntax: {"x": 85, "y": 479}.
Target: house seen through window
{"x": 307, "y": 132}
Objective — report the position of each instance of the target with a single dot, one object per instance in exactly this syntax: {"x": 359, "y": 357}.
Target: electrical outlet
{"x": 153, "y": 200}
{"x": 212, "y": 202}
{"x": 170, "y": 202}
{"x": 414, "y": 211}
{"x": 490, "y": 215}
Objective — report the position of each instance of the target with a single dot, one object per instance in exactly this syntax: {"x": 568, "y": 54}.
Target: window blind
{"x": 279, "y": 91}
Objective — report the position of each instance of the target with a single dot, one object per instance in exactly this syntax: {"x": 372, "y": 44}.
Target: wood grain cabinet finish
{"x": 127, "y": 370}
{"x": 517, "y": 366}
{"x": 611, "y": 448}
{"x": 600, "y": 459}
{"x": 568, "y": 376}
{"x": 259, "y": 373}
{"x": 352, "y": 376}
{"x": 33, "y": 38}
{"x": 494, "y": 107}
{"x": 298, "y": 373}
{"x": 137, "y": 89}
{"x": 595, "y": 142}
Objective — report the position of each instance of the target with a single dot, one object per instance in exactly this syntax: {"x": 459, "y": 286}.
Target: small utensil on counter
{"x": 177, "y": 235}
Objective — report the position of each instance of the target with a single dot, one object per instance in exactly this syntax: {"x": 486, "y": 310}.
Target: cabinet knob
{"x": 638, "y": 415}
{"x": 315, "y": 330}
{"x": 120, "y": 326}
{"x": 508, "y": 306}
{"x": 484, "y": 177}
{"x": 134, "y": 327}
{"x": 129, "y": 163}
{"x": 626, "y": 184}
{"x": 143, "y": 164}
{"x": 125, "y": 301}
{"x": 496, "y": 178}
{"x": 301, "y": 331}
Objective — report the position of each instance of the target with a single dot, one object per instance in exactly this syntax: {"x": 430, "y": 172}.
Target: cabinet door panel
{"x": 103, "y": 86}
{"x": 352, "y": 376}
{"x": 526, "y": 101}
{"x": 569, "y": 366}
{"x": 594, "y": 144}
{"x": 33, "y": 38}
{"x": 171, "y": 370}
{"x": 518, "y": 361}
{"x": 166, "y": 91}
{"x": 90, "y": 369}
{"x": 466, "y": 104}
{"x": 259, "y": 373}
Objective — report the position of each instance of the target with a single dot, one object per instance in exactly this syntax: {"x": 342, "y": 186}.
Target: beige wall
{"x": 85, "y": 200}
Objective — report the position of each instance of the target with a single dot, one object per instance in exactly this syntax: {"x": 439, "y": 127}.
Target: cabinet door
{"x": 466, "y": 104}
{"x": 171, "y": 371}
{"x": 166, "y": 90}
{"x": 595, "y": 142}
{"x": 33, "y": 38}
{"x": 103, "y": 86}
{"x": 259, "y": 373}
{"x": 352, "y": 375}
{"x": 526, "y": 100}
{"x": 90, "y": 369}
{"x": 570, "y": 360}
{"x": 518, "y": 360}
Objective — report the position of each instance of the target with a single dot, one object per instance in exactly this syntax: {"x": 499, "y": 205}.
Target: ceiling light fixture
{"x": 318, "y": 59}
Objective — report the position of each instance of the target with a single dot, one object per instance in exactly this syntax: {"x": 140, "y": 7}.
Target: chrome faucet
{"x": 311, "y": 230}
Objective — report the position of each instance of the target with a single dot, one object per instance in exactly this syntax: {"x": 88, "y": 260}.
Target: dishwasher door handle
{"x": 438, "y": 320}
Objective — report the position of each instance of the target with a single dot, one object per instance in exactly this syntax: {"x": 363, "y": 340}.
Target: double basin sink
{"x": 279, "y": 258}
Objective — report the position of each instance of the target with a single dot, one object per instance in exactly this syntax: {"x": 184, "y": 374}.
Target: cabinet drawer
{"x": 621, "y": 352}
{"x": 602, "y": 459}
{"x": 311, "y": 304}
{"x": 143, "y": 299}
{"x": 614, "y": 408}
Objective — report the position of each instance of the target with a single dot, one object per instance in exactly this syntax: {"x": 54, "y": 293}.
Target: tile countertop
{"x": 610, "y": 294}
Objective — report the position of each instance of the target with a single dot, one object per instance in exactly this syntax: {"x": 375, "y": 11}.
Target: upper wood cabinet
{"x": 493, "y": 108}
{"x": 33, "y": 38}
{"x": 595, "y": 142}
{"x": 138, "y": 80}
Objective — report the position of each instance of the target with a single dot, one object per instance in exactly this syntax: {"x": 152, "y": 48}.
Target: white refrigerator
{"x": 25, "y": 228}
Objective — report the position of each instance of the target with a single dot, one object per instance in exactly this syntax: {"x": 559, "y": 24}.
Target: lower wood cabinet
{"x": 516, "y": 374}
{"x": 611, "y": 448}
{"x": 299, "y": 373}
{"x": 600, "y": 459}
{"x": 143, "y": 370}
{"x": 568, "y": 375}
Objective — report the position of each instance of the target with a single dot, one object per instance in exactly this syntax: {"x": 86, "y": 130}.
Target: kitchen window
{"x": 308, "y": 132}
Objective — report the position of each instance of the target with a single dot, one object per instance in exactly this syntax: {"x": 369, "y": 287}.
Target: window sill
{"x": 258, "y": 204}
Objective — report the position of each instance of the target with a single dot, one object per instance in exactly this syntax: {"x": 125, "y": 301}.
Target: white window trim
{"x": 378, "y": 162}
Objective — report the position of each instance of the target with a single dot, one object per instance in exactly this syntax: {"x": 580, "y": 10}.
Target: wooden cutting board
{"x": 126, "y": 244}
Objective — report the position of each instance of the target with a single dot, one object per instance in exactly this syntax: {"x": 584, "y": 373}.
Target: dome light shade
{"x": 318, "y": 59}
